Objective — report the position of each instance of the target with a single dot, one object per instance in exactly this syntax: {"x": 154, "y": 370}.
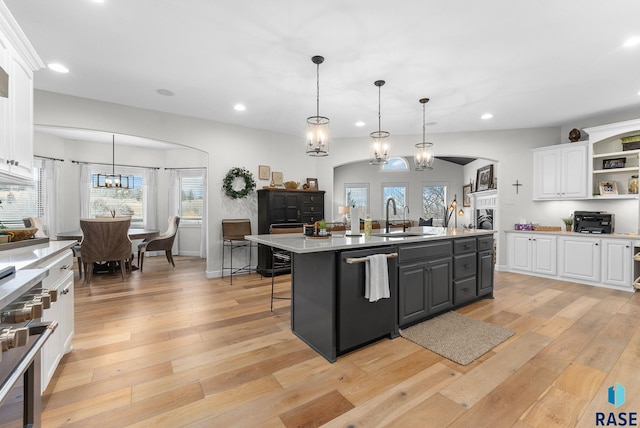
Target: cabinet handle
{"x": 466, "y": 290}
{"x": 467, "y": 266}
{"x": 65, "y": 267}
{"x": 596, "y": 244}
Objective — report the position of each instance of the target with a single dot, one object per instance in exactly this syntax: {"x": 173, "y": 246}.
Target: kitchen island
{"x": 431, "y": 270}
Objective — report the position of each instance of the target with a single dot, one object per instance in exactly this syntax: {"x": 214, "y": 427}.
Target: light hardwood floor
{"x": 170, "y": 348}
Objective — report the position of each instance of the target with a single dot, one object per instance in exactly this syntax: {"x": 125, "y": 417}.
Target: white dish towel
{"x": 376, "y": 278}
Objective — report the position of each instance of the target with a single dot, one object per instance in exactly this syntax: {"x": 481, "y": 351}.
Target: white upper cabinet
{"x": 560, "y": 172}
{"x": 19, "y": 60}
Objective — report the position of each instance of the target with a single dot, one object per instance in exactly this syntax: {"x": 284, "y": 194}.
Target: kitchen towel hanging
{"x": 376, "y": 278}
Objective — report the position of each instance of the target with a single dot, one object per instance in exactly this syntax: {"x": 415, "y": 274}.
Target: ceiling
{"x": 530, "y": 64}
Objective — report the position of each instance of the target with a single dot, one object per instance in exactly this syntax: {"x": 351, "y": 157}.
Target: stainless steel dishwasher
{"x": 360, "y": 321}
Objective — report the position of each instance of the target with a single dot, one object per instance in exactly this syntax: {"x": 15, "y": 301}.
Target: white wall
{"x": 227, "y": 146}
{"x": 361, "y": 172}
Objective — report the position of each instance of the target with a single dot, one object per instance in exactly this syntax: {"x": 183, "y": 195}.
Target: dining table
{"x": 134, "y": 233}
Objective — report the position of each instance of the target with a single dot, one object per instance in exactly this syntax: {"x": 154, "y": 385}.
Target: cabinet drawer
{"x": 57, "y": 267}
{"x": 485, "y": 243}
{"x": 464, "y": 290}
{"x": 464, "y": 265}
{"x": 407, "y": 253}
{"x": 315, "y": 209}
{"x": 466, "y": 245}
{"x": 312, "y": 199}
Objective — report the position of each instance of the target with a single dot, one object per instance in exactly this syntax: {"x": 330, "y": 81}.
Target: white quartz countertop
{"x": 31, "y": 256}
{"x": 298, "y": 243}
{"x": 632, "y": 236}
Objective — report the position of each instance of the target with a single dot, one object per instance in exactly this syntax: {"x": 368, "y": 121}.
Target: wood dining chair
{"x": 105, "y": 240}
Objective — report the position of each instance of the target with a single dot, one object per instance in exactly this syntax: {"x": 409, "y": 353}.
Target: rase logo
{"x": 616, "y": 397}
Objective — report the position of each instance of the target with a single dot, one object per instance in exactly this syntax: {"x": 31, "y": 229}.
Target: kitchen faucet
{"x": 395, "y": 212}
{"x": 404, "y": 218}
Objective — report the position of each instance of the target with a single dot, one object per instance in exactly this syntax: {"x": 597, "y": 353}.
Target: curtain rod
{"x": 117, "y": 164}
{"x": 48, "y": 158}
{"x": 193, "y": 167}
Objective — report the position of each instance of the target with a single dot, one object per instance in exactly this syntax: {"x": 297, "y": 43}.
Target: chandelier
{"x": 424, "y": 150}
{"x": 318, "y": 135}
{"x": 379, "y": 148}
{"x": 113, "y": 180}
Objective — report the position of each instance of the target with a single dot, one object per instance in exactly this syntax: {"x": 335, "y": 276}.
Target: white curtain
{"x": 52, "y": 170}
{"x": 174, "y": 202}
{"x": 85, "y": 190}
{"x": 150, "y": 198}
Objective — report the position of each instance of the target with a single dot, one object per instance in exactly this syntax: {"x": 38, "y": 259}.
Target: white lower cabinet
{"x": 617, "y": 256}
{"x": 532, "y": 253}
{"x": 579, "y": 258}
{"x": 60, "y": 279}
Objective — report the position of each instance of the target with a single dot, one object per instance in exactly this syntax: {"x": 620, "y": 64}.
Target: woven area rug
{"x": 457, "y": 337}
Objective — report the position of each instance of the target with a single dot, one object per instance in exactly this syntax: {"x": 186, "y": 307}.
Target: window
{"x": 191, "y": 199}
{"x": 18, "y": 202}
{"x": 398, "y": 192}
{"x": 433, "y": 202}
{"x": 396, "y": 163}
{"x": 105, "y": 201}
{"x": 357, "y": 195}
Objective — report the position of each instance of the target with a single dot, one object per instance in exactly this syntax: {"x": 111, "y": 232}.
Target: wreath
{"x": 227, "y": 183}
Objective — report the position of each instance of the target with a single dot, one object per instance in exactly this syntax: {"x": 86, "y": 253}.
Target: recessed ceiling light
{"x": 239, "y": 107}
{"x": 633, "y": 41}
{"x": 99, "y": 1}
{"x": 360, "y": 124}
{"x": 486, "y": 116}
{"x": 58, "y": 67}
{"x": 165, "y": 92}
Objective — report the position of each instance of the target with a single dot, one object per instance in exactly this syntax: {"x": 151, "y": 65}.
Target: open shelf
{"x": 612, "y": 154}
{"x": 614, "y": 170}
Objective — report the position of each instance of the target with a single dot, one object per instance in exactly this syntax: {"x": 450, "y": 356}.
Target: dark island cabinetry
{"x": 276, "y": 206}
{"x": 424, "y": 278}
{"x": 438, "y": 276}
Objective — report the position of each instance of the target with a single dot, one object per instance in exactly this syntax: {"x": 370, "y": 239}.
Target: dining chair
{"x": 37, "y": 222}
{"x": 233, "y": 233}
{"x": 281, "y": 259}
{"x": 105, "y": 240}
{"x": 162, "y": 242}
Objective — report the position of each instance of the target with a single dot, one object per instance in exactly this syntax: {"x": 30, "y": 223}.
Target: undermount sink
{"x": 402, "y": 234}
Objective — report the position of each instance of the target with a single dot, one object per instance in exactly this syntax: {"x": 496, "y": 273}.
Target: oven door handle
{"x": 26, "y": 360}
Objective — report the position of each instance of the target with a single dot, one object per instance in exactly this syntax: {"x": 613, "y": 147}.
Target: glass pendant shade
{"x": 424, "y": 150}
{"x": 424, "y": 156}
{"x": 318, "y": 136}
{"x": 380, "y": 143}
{"x": 318, "y": 126}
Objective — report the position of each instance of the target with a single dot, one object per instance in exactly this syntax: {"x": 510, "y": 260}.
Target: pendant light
{"x": 379, "y": 146}
{"x": 113, "y": 180}
{"x": 424, "y": 150}
{"x": 318, "y": 135}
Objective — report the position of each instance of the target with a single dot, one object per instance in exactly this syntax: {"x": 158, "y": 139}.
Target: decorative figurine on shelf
{"x": 574, "y": 135}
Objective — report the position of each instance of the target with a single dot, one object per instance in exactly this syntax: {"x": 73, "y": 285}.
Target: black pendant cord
{"x": 379, "y": 115}
{"x": 424, "y": 124}
{"x": 113, "y": 155}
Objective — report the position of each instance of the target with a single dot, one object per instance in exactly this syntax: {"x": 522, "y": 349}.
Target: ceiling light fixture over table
{"x": 113, "y": 180}
{"x": 318, "y": 135}
{"x": 424, "y": 150}
{"x": 379, "y": 139}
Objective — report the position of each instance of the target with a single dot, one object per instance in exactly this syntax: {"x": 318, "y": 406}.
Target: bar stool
{"x": 233, "y": 233}
{"x": 281, "y": 259}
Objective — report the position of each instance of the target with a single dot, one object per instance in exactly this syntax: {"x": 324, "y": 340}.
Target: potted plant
{"x": 322, "y": 228}
{"x": 568, "y": 222}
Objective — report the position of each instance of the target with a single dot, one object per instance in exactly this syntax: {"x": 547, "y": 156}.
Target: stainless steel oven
{"x": 22, "y": 335}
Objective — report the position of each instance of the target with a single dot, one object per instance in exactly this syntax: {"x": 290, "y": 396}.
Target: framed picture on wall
{"x": 466, "y": 199}
{"x": 484, "y": 178}
{"x": 264, "y": 171}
